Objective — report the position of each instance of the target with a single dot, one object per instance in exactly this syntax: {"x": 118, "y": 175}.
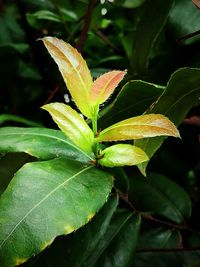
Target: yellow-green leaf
{"x": 104, "y": 86}
{"x": 72, "y": 124}
{"x": 149, "y": 125}
{"x": 121, "y": 155}
{"x": 74, "y": 70}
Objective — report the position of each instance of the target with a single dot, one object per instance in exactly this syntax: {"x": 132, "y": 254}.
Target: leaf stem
{"x": 94, "y": 127}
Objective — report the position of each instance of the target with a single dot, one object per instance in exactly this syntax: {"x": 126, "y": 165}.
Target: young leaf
{"x": 149, "y": 125}
{"x": 104, "y": 86}
{"x": 74, "y": 70}
{"x": 121, "y": 155}
{"x": 72, "y": 124}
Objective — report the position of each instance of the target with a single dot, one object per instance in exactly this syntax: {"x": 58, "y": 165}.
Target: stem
{"x": 86, "y": 25}
{"x": 94, "y": 127}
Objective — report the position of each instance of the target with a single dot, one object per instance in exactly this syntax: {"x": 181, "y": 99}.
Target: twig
{"x": 188, "y": 36}
{"x": 170, "y": 225}
{"x": 86, "y": 25}
{"x": 194, "y": 120}
{"x": 52, "y": 94}
{"x": 153, "y": 219}
{"x": 106, "y": 40}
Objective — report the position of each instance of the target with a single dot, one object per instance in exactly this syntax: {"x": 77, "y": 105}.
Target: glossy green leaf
{"x": 120, "y": 249}
{"x": 138, "y": 127}
{"x": 72, "y": 124}
{"x": 47, "y": 199}
{"x": 74, "y": 70}
{"x": 106, "y": 240}
{"x": 150, "y": 245}
{"x": 160, "y": 195}
{"x": 88, "y": 237}
{"x": 176, "y": 23}
{"x": 133, "y": 100}
{"x": 147, "y": 31}
{"x": 9, "y": 164}
{"x": 181, "y": 94}
{"x": 41, "y": 143}
{"x": 121, "y": 155}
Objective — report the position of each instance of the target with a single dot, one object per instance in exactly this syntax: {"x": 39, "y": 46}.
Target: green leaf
{"x": 133, "y": 3}
{"x": 133, "y": 100}
{"x": 87, "y": 237}
{"x": 121, "y": 155}
{"x": 176, "y": 23}
{"x": 147, "y": 31}
{"x": 122, "y": 237}
{"x": 151, "y": 242}
{"x": 15, "y": 118}
{"x": 74, "y": 70}
{"x": 72, "y": 124}
{"x": 47, "y": 199}
{"x": 160, "y": 195}
{"x": 44, "y": 14}
{"x": 41, "y": 143}
{"x": 181, "y": 94}
{"x": 138, "y": 127}
{"x": 9, "y": 164}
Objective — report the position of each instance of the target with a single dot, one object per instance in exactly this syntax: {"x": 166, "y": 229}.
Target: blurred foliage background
{"x": 147, "y": 37}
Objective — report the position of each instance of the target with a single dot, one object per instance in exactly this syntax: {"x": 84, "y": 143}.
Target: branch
{"x": 52, "y": 94}
{"x": 106, "y": 40}
{"x": 153, "y": 219}
{"x": 188, "y": 36}
{"x": 86, "y": 25}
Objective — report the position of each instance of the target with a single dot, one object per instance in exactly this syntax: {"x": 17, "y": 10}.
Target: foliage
{"x": 54, "y": 182}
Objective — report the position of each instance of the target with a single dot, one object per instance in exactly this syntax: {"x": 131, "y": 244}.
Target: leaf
{"x": 148, "y": 29}
{"x": 104, "y": 238}
{"x": 15, "y": 118}
{"x": 133, "y": 3}
{"x": 121, "y": 155}
{"x": 41, "y": 143}
{"x": 120, "y": 241}
{"x": 176, "y": 23}
{"x": 44, "y": 14}
{"x": 9, "y": 164}
{"x": 143, "y": 126}
{"x": 181, "y": 94}
{"x": 72, "y": 124}
{"x": 150, "y": 245}
{"x": 160, "y": 195}
{"x": 47, "y": 199}
{"x": 133, "y": 99}
{"x": 104, "y": 86}
{"x": 74, "y": 70}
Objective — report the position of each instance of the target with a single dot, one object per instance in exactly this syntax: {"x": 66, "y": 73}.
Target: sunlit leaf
{"x": 104, "y": 86}
{"x": 149, "y": 125}
{"x": 121, "y": 155}
{"x": 72, "y": 124}
{"x": 175, "y": 103}
{"x": 74, "y": 70}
